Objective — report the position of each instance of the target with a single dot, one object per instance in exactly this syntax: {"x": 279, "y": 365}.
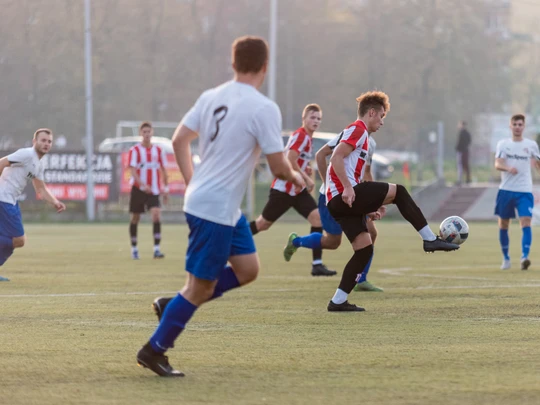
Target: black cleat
{"x": 159, "y": 305}
{"x": 322, "y": 270}
{"x": 525, "y": 263}
{"x": 157, "y": 362}
{"x": 345, "y": 307}
{"x": 158, "y": 255}
{"x": 439, "y": 244}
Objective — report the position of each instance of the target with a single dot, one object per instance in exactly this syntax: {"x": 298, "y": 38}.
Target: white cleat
{"x": 506, "y": 264}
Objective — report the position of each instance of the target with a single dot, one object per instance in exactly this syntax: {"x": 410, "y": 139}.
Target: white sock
{"x": 156, "y": 248}
{"x": 319, "y": 261}
{"x": 134, "y": 249}
{"x": 427, "y": 234}
{"x": 339, "y": 297}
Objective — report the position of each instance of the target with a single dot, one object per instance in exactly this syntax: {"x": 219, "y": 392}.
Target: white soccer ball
{"x": 454, "y": 230}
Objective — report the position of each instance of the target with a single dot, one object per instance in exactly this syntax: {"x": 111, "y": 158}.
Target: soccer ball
{"x": 454, "y": 230}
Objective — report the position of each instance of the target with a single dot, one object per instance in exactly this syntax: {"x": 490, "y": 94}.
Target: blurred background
{"x": 440, "y": 61}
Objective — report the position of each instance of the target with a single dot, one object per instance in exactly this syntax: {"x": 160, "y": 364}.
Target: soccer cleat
{"x": 135, "y": 255}
{"x": 367, "y": 286}
{"x": 525, "y": 263}
{"x": 4, "y": 278}
{"x": 157, "y": 362}
{"x": 158, "y": 255}
{"x": 289, "y": 248}
{"x": 159, "y": 305}
{"x": 506, "y": 264}
{"x": 321, "y": 270}
{"x": 439, "y": 244}
{"x": 344, "y": 307}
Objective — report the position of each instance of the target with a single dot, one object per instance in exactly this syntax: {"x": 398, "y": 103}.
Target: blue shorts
{"x": 210, "y": 245}
{"x": 329, "y": 224}
{"x": 10, "y": 220}
{"x": 509, "y": 201}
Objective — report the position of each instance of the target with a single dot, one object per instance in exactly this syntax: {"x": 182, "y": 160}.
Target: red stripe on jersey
{"x": 335, "y": 179}
{"x": 149, "y": 170}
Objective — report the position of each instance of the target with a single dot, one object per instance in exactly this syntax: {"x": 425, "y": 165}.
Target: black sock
{"x": 354, "y": 268}
{"x": 157, "y": 233}
{"x": 408, "y": 208}
{"x": 253, "y": 227}
{"x": 317, "y": 253}
{"x": 133, "y": 233}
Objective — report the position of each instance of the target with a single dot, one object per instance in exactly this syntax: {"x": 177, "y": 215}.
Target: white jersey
{"x": 25, "y": 165}
{"x": 234, "y": 122}
{"x": 518, "y": 155}
{"x": 335, "y": 141}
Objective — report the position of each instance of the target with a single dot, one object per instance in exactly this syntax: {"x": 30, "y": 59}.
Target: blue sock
{"x": 227, "y": 281}
{"x": 6, "y": 242}
{"x": 311, "y": 241}
{"x": 5, "y": 253}
{"x": 526, "y": 241}
{"x": 505, "y": 242}
{"x": 364, "y": 274}
{"x": 177, "y": 314}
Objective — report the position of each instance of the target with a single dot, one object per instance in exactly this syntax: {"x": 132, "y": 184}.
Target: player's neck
{"x": 248, "y": 78}
{"x": 517, "y": 138}
{"x": 39, "y": 154}
{"x": 310, "y": 133}
{"x": 146, "y": 144}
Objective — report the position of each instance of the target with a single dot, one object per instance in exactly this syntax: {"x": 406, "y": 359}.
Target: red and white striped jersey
{"x": 299, "y": 141}
{"x": 357, "y": 136}
{"x": 148, "y": 162}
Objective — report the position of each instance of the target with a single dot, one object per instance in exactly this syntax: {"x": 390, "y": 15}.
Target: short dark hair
{"x": 145, "y": 124}
{"x": 42, "y": 130}
{"x": 249, "y": 54}
{"x": 311, "y": 107}
{"x": 517, "y": 117}
{"x": 372, "y": 99}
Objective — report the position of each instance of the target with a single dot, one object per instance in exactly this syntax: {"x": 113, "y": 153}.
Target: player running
{"x": 15, "y": 171}
{"x": 234, "y": 122}
{"x": 350, "y": 200}
{"x": 282, "y": 194}
{"x": 513, "y": 158}
{"x": 331, "y": 238}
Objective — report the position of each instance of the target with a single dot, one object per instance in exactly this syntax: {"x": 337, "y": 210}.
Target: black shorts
{"x": 140, "y": 202}
{"x": 369, "y": 198}
{"x": 280, "y": 202}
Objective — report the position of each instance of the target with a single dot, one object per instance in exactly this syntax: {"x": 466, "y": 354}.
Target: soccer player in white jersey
{"x": 331, "y": 238}
{"x": 149, "y": 180}
{"x": 15, "y": 171}
{"x": 282, "y": 195}
{"x": 234, "y": 122}
{"x": 350, "y": 200}
{"x": 513, "y": 158}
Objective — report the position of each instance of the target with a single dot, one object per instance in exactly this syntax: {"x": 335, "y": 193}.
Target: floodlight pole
{"x": 90, "y": 198}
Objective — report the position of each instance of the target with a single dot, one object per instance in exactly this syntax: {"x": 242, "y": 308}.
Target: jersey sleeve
{"x": 192, "y": 119}
{"x": 133, "y": 158}
{"x": 40, "y": 175}
{"x": 352, "y": 136}
{"x": 332, "y": 143}
{"x": 499, "y": 153}
{"x": 535, "y": 153}
{"x": 20, "y": 157}
{"x": 266, "y": 127}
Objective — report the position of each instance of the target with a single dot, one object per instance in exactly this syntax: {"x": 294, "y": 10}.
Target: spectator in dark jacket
{"x": 462, "y": 153}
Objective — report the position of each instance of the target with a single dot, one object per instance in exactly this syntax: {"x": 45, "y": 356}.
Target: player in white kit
{"x": 513, "y": 158}
{"x": 15, "y": 171}
{"x": 234, "y": 122}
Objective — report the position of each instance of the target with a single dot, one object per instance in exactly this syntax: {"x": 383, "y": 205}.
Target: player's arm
{"x": 320, "y": 158}
{"x": 500, "y": 164}
{"x": 182, "y": 138}
{"x": 164, "y": 177}
{"x": 282, "y": 169}
{"x": 4, "y": 162}
{"x": 41, "y": 189}
{"x": 367, "y": 173}
{"x": 292, "y": 156}
{"x": 338, "y": 163}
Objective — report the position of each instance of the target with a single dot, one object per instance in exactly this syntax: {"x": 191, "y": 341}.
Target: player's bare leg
{"x": 260, "y": 224}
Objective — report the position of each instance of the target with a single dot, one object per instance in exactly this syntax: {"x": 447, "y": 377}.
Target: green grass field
{"x": 450, "y": 328}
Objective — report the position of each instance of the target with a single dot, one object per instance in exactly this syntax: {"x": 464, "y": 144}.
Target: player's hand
{"x": 298, "y": 181}
{"x": 165, "y": 198}
{"x": 308, "y": 170}
{"x": 348, "y": 196}
{"x": 512, "y": 170}
{"x": 382, "y": 211}
{"x": 310, "y": 185}
{"x": 59, "y": 205}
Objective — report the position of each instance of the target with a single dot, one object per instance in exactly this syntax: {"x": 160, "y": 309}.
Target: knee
{"x": 263, "y": 224}
{"x": 249, "y": 275}
{"x": 135, "y": 218}
{"x": 331, "y": 242}
{"x": 315, "y": 219}
{"x": 19, "y": 242}
{"x": 373, "y": 235}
